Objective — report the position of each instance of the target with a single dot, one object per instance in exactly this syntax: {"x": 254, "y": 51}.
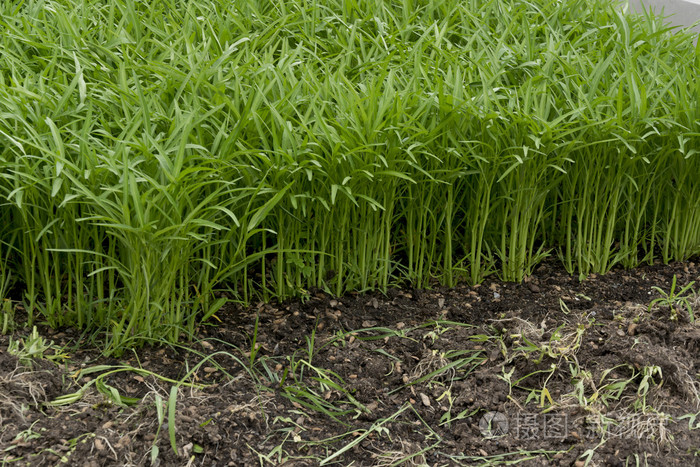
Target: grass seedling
{"x": 160, "y": 413}
{"x": 31, "y": 348}
{"x": 693, "y": 420}
{"x": 7, "y": 316}
{"x": 254, "y": 343}
{"x": 508, "y": 458}
{"x": 172, "y": 412}
{"x": 104, "y": 372}
{"x": 6, "y": 308}
{"x": 361, "y": 435}
{"x": 675, "y": 301}
{"x": 648, "y": 373}
{"x": 442, "y": 367}
{"x": 311, "y": 387}
{"x": 588, "y": 454}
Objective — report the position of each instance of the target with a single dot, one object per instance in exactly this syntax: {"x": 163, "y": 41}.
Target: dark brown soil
{"x": 416, "y": 381}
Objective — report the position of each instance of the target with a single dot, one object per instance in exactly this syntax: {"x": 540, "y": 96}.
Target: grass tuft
{"x": 154, "y": 154}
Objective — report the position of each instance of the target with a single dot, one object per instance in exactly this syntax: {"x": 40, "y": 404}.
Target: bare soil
{"x": 553, "y": 371}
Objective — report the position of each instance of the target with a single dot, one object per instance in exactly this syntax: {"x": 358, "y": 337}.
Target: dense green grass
{"x": 153, "y": 153}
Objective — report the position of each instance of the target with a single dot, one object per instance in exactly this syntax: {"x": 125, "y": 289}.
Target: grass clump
{"x": 153, "y": 153}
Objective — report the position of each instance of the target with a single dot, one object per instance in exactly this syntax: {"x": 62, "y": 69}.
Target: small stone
{"x": 425, "y": 400}
{"x": 533, "y": 288}
{"x": 632, "y": 329}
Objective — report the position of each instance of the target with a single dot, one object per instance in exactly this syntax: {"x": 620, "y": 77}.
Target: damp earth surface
{"x": 553, "y": 371}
